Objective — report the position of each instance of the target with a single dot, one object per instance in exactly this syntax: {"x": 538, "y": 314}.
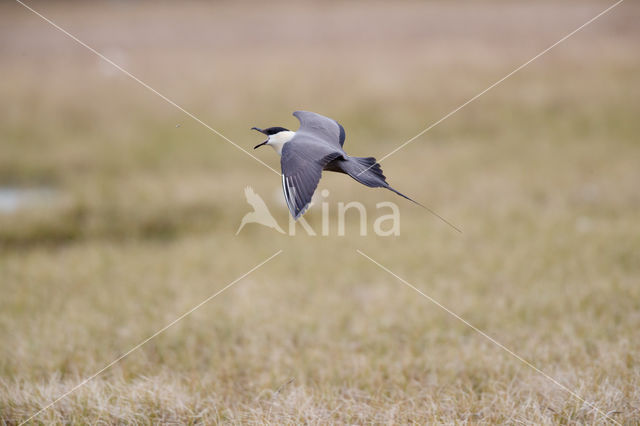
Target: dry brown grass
{"x": 541, "y": 173}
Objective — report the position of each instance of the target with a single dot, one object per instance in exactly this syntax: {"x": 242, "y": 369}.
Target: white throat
{"x": 278, "y": 140}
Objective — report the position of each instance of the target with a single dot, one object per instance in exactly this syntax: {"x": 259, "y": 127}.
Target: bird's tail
{"x": 367, "y": 171}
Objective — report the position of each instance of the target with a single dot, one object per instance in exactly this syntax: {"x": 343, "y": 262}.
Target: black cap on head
{"x": 270, "y": 130}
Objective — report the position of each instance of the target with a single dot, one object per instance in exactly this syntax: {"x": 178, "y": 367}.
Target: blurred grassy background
{"x": 138, "y": 226}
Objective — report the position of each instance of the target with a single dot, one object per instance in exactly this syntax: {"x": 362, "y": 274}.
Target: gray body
{"x": 317, "y": 146}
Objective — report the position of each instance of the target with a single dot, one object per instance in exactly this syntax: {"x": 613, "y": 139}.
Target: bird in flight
{"x": 314, "y": 147}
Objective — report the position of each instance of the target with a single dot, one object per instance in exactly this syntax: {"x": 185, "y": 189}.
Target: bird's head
{"x": 271, "y": 133}
{"x": 276, "y": 137}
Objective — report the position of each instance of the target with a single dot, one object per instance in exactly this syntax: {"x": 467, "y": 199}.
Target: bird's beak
{"x": 260, "y": 144}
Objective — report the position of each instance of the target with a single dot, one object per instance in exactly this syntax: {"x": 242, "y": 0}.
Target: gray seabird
{"x": 317, "y": 146}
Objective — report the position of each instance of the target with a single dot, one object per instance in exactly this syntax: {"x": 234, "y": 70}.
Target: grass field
{"x": 542, "y": 174}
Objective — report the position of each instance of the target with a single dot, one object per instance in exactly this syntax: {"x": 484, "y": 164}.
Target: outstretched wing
{"x": 320, "y": 127}
{"x": 302, "y": 163}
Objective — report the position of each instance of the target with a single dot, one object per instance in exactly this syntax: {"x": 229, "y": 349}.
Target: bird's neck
{"x": 278, "y": 140}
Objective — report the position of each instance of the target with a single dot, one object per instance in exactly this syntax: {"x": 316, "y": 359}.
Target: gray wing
{"x": 302, "y": 163}
{"x": 320, "y": 127}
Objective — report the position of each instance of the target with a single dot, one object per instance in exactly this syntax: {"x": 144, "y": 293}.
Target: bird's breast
{"x": 278, "y": 140}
